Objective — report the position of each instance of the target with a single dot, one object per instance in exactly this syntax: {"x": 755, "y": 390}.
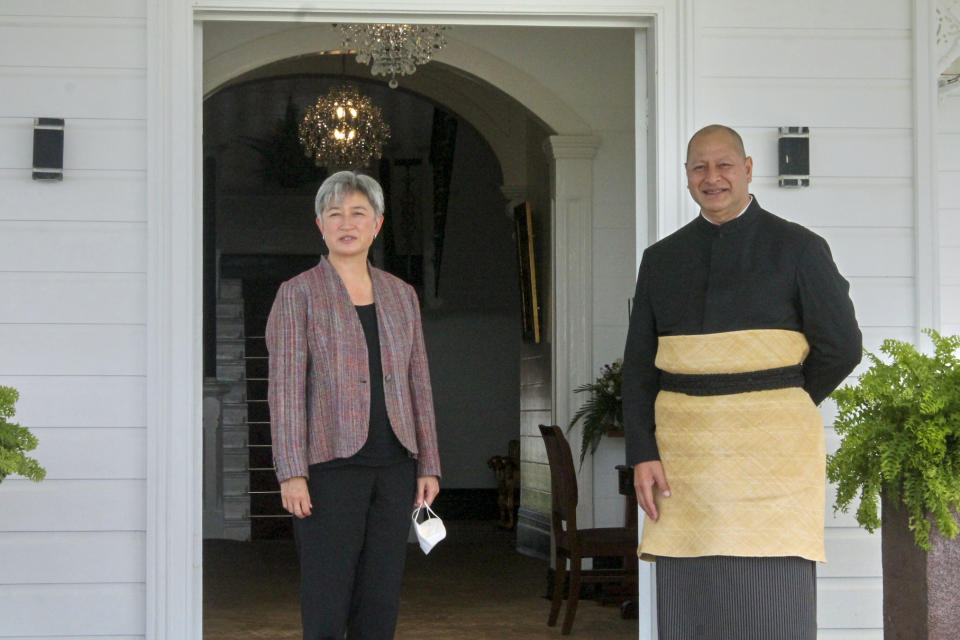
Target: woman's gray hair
{"x": 341, "y": 184}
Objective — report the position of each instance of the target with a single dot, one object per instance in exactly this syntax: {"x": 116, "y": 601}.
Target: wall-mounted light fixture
{"x": 794, "y": 152}
{"x": 48, "y": 149}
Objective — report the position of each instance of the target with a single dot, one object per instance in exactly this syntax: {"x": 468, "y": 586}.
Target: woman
{"x": 351, "y": 415}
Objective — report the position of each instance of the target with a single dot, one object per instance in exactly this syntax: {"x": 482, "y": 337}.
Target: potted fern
{"x": 602, "y": 414}
{"x": 900, "y": 447}
{"x": 15, "y": 441}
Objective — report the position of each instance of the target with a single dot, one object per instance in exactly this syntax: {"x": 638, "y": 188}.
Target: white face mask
{"x": 430, "y": 531}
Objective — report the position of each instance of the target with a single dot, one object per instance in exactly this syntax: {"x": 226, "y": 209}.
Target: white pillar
{"x": 571, "y": 230}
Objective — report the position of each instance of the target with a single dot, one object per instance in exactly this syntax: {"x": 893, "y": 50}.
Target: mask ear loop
{"x": 428, "y": 513}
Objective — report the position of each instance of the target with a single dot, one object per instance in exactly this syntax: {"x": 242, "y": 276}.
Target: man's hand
{"x": 296, "y": 496}
{"x": 427, "y": 489}
{"x": 646, "y": 475}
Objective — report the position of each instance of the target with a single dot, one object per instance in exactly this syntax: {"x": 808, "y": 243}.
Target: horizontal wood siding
{"x": 73, "y": 505}
{"x": 100, "y": 556}
{"x": 57, "y": 610}
{"x": 88, "y": 298}
{"x": 73, "y": 319}
{"x": 80, "y": 197}
{"x": 844, "y": 70}
{"x": 948, "y": 196}
{"x": 80, "y": 401}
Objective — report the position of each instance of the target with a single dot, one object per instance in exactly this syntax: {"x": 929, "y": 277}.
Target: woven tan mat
{"x": 746, "y": 470}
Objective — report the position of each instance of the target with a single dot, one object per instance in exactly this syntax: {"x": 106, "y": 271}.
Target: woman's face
{"x": 349, "y": 226}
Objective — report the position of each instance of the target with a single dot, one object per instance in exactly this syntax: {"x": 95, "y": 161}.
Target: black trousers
{"x": 352, "y": 550}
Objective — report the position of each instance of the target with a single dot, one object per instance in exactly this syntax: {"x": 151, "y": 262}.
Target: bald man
{"x": 741, "y": 326}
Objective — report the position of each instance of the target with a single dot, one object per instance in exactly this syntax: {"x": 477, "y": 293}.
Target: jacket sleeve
{"x": 287, "y": 345}
{"x": 428, "y": 460}
{"x": 829, "y": 321}
{"x": 641, "y": 379}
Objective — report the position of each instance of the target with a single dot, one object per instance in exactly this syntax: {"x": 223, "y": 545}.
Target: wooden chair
{"x": 575, "y": 544}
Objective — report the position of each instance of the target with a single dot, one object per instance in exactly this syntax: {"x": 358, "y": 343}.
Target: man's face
{"x": 718, "y": 175}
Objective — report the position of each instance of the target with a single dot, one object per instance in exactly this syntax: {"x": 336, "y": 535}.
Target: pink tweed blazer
{"x": 319, "y": 393}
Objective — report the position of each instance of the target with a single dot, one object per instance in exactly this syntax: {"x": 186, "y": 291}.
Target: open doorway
{"x": 490, "y": 384}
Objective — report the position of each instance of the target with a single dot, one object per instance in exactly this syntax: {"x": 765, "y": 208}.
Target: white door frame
{"x": 174, "y": 320}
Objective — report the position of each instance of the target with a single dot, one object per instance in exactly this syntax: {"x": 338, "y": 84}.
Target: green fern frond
{"x": 900, "y": 436}
{"x": 15, "y": 441}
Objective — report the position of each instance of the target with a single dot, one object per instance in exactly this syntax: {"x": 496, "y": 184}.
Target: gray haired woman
{"x": 352, "y": 421}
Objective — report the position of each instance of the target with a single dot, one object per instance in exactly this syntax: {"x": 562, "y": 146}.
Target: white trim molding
{"x": 926, "y": 246}
{"x": 515, "y": 194}
{"x": 948, "y": 33}
{"x": 600, "y": 13}
{"x": 174, "y": 376}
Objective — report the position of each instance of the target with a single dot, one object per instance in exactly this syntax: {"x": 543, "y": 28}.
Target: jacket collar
{"x": 377, "y": 278}
{"x": 742, "y": 221}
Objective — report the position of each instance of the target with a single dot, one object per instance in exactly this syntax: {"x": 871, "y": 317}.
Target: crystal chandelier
{"x": 344, "y": 129}
{"x": 396, "y": 49}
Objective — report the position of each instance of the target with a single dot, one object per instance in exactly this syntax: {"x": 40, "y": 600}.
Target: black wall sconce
{"x": 48, "y": 149}
{"x": 793, "y": 147}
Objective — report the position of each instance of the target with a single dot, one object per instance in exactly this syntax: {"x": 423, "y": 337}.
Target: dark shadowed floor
{"x": 472, "y": 585}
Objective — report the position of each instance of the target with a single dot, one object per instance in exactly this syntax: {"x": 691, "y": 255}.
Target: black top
{"x": 756, "y": 271}
{"x": 382, "y": 446}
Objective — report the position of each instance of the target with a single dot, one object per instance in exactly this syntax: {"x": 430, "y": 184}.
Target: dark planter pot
{"x": 921, "y": 590}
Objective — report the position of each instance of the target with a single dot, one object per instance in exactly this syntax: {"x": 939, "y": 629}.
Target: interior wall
{"x": 473, "y": 328}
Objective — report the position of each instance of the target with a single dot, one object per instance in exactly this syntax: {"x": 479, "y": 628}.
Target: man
{"x": 741, "y": 325}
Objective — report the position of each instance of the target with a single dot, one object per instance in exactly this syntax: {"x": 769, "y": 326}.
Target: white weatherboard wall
{"x": 948, "y": 200}
{"x": 72, "y": 319}
{"x": 72, "y": 262}
{"x": 844, "y": 70}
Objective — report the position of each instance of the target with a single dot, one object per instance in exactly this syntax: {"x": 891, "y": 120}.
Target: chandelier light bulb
{"x": 344, "y": 129}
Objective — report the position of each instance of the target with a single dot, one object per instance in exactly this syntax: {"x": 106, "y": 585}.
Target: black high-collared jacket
{"x": 756, "y": 271}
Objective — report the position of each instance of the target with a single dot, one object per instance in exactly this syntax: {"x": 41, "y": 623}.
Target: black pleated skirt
{"x": 734, "y": 598}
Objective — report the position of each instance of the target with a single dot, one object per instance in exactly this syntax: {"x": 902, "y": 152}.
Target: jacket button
{"x": 388, "y": 377}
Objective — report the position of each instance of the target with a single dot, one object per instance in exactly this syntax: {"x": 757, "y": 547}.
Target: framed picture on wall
{"x": 529, "y": 300}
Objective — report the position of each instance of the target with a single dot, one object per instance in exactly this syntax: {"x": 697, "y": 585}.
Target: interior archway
{"x": 499, "y": 99}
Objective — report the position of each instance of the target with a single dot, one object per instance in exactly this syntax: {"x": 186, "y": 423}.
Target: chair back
{"x": 563, "y": 477}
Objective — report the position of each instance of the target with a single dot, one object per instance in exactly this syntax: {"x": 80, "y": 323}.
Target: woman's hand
{"x": 427, "y": 489}
{"x": 296, "y": 496}
{"x": 646, "y": 475}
